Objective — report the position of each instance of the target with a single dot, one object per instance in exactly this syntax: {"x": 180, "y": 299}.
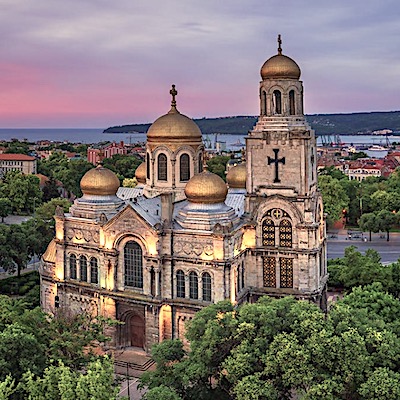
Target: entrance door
{"x": 137, "y": 331}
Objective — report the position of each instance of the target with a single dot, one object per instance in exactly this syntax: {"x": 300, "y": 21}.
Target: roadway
{"x": 389, "y": 251}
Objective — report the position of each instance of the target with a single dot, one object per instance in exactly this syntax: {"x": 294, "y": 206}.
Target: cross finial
{"x": 279, "y": 45}
{"x": 173, "y": 92}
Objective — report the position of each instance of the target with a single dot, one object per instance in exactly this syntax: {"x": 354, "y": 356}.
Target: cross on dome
{"x": 279, "y": 45}
{"x": 173, "y": 92}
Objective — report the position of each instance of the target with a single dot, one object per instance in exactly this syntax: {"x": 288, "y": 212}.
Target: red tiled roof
{"x": 15, "y": 157}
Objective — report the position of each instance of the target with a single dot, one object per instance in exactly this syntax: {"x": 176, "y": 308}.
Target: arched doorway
{"x": 136, "y": 331}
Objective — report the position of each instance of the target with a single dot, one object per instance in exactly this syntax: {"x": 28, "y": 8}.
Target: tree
{"x": 369, "y": 222}
{"x": 62, "y": 383}
{"x": 217, "y": 165}
{"x": 50, "y": 190}
{"x": 334, "y": 197}
{"x": 5, "y": 208}
{"x": 123, "y": 165}
{"x": 386, "y": 220}
{"x": 284, "y": 349}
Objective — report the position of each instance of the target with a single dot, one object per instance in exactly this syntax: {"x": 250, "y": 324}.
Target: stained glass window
{"x": 285, "y": 233}
{"x": 269, "y": 272}
{"x": 162, "y": 167}
{"x": 268, "y": 232}
{"x": 72, "y": 266}
{"x": 83, "y": 268}
{"x": 206, "y": 279}
{"x": 133, "y": 262}
{"x": 94, "y": 271}
{"x": 193, "y": 286}
{"x": 286, "y": 265}
{"x": 180, "y": 284}
{"x": 184, "y": 167}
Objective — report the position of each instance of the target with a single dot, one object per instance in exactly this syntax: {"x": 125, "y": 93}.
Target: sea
{"x": 226, "y": 141}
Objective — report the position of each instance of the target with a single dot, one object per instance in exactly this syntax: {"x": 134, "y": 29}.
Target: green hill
{"x": 356, "y": 123}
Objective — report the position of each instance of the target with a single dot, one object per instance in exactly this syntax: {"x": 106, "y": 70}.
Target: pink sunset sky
{"x": 98, "y": 63}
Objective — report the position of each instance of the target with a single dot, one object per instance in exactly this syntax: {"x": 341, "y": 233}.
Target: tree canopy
{"x": 285, "y": 349}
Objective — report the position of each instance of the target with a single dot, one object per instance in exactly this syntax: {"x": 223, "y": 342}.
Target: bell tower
{"x": 283, "y": 198}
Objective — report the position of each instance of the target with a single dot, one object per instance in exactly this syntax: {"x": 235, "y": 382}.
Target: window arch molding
{"x": 120, "y": 245}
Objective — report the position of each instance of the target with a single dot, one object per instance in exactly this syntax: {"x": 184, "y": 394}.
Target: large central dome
{"x": 174, "y": 126}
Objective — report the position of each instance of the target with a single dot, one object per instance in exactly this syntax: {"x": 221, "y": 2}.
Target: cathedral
{"x": 152, "y": 256}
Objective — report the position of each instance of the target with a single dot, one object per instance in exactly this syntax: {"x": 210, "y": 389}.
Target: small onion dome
{"x": 207, "y": 188}
{"x": 280, "y": 67}
{"x": 140, "y": 173}
{"x": 236, "y": 177}
{"x": 174, "y": 126}
{"x": 100, "y": 181}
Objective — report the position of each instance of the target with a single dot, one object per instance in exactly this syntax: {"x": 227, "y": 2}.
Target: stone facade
{"x": 153, "y": 259}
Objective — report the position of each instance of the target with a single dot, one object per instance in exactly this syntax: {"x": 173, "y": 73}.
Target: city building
{"x": 96, "y": 155}
{"x": 154, "y": 255}
{"x": 17, "y": 162}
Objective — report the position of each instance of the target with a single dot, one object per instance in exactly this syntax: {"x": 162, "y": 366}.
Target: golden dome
{"x": 207, "y": 188}
{"x": 174, "y": 126}
{"x": 100, "y": 181}
{"x": 236, "y": 177}
{"x": 280, "y": 66}
{"x": 140, "y": 173}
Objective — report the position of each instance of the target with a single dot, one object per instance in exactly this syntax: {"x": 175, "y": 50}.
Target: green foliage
{"x": 5, "y": 208}
{"x": 62, "y": 383}
{"x": 217, "y": 165}
{"x": 17, "y": 147}
{"x": 334, "y": 197}
{"x": 20, "y": 286}
{"x": 123, "y": 165}
{"x": 32, "y": 341}
{"x": 7, "y": 388}
{"x": 23, "y": 191}
{"x": 161, "y": 393}
{"x": 284, "y": 349}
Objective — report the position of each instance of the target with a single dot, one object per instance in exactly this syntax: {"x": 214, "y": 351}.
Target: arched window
{"x": 184, "y": 167}
{"x": 162, "y": 167}
{"x": 268, "y": 232}
{"x": 238, "y": 286}
{"x": 292, "y": 109}
{"x": 206, "y": 280}
{"x": 242, "y": 271}
{"x": 180, "y": 284}
{"x": 94, "y": 271}
{"x": 72, "y": 266}
{"x": 264, "y": 103}
{"x": 193, "y": 286}
{"x": 285, "y": 233}
{"x": 133, "y": 263}
{"x": 277, "y": 102}
{"x": 83, "y": 268}
{"x": 148, "y": 165}
{"x": 153, "y": 282}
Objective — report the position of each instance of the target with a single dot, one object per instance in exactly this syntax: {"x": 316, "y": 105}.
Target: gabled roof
{"x": 16, "y": 157}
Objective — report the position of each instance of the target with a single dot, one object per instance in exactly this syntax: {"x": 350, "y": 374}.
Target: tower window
{"x": 268, "y": 232}
{"x": 162, "y": 167}
{"x": 286, "y": 265}
{"x": 263, "y": 102}
{"x": 184, "y": 167}
{"x": 180, "y": 284}
{"x": 200, "y": 163}
{"x": 83, "y": 268}
{"x": 292, "y": 109}
{"x": 72, "y": 266}
{"x": 206, "y": 280}
{"x": 148, "y": 165}
{"x": 269, "y": 272}
{"x": 277, "y": 102}
{"x": 193, "y": 286}
{"x": 285, "y": 233}
{"x": 133, "y": 265}
{"x": 94, "y": 271}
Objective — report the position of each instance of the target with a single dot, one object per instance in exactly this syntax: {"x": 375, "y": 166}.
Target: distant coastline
{"x": 323, "y": 124}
